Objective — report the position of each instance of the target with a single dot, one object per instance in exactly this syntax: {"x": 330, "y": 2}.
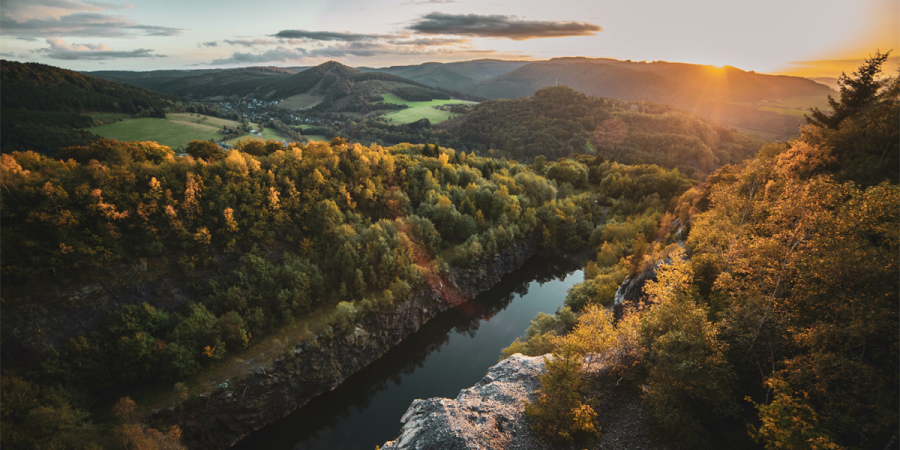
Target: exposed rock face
{"x": 489, "y": 415}
{"x": 224, "y": 416}
{"x": 632, "y": 289}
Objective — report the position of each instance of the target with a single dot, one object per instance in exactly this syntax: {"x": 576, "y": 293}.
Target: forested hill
{"x": 772, "y": 321}
{"x": 42, "y": 105}
{"x": 340, "y": 85}
{"x": 557, "y": 121}
{"x": 39, "y": 87}
{"x": 456, "y": 75}
{"x": 726, "y": 95}
{"x": 200, "y": 84}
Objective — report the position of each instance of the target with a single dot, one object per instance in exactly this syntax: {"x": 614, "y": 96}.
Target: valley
{"x": 290, "y": 245}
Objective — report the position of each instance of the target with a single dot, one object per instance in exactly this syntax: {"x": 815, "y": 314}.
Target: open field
{"x": 267, "y": 134}
{"x": 793, "y": 106}
{"x": 108, "y": 117}
{"x": 394, "y": 100}
{"x": 420, "y": 110}
{"x": 785, "y": 111}
{"x": 410, "y": 115}
{"x": 301, "y": 101}
{"x": 176, "y": 130}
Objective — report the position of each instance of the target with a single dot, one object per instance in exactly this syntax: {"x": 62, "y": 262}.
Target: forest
{"x": 261, "y": 236}
{"x": 772, "y": 321}
{"x": 46, "y": 108}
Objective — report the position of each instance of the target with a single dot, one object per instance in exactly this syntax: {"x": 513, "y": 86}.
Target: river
{"x": 449, "y": 353}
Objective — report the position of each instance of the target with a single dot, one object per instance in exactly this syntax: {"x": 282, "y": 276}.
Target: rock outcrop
{"x": 489, "y": 415}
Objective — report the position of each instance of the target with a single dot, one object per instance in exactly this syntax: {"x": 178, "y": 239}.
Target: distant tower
{"x": 557, "y": 81}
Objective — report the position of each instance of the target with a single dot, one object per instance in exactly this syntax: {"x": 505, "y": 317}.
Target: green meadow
{"x": 420, "y": 110}
{"x": 176, "y": 130}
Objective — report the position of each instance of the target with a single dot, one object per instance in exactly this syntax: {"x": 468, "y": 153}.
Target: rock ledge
{"x": 489, "y": 415}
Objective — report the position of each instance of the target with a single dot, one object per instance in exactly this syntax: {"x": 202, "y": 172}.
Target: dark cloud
{"x": 500, "y": 26}
{"x": 208, "y": 44}
{"x": 325, "y": 36}
{"x": 249, "y": 43}
{"x": 90, "y": 52}
{"x": 84, "y": 24}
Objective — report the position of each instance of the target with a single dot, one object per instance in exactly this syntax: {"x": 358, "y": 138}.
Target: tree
{"x": 560, "y": 410}
{"x": 789, "y": 422}
{"x": 856, "y": 92}
{"x": 209, "y": 151}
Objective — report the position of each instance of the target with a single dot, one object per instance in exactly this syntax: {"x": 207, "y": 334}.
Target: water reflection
{"x": 451, "y": 352}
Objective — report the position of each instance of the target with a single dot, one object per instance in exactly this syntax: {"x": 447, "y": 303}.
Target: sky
{"x": 814, "y": 38}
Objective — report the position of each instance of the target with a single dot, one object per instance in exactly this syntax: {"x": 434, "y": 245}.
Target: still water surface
{"x": 449, "y": 353}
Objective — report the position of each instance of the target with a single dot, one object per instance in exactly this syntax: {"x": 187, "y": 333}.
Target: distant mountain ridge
{"x": 715, "y": 93}
{"x": 199, "y": 84}
{"x": 456, "y": 75}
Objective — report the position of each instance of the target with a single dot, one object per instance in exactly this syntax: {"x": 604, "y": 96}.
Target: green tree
{"x": 856, "y": 92}
{"x": 207, "y": 150}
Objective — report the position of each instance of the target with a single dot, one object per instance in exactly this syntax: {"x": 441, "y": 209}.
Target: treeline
{"x": 557, "y": 121}
{"x": 44, "y": 107}
{"x": 779, "y": 315}
{"x": 264, "y": 235}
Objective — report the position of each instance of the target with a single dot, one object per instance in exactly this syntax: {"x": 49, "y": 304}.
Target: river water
{"x": 449, "y": 353}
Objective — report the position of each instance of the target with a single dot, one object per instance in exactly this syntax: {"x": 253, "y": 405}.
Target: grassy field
{"x": 176, "y": 130}
{"x": 420, "y": 110}
{"x": 784, "y": 111}
{"x": 410, "y": 115}
{"x": 393, "y": 99}
{"x": 267, "y": 134}
{"x": 106, "y": 118}
{"x": 316, "y": 137}
{"x": 301, "y": 101}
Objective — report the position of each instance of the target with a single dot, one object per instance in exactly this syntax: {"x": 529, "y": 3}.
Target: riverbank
{"x": 219, "y": 418}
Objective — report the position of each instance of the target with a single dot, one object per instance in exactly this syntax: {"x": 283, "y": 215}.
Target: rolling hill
{"x": 456, "y": 75}
{"x": 200, "y": 84}
{"x": 557, "y": 121}
{"x": 332, "y": 86}
{"x": 727, "y": 95}
{"x": 44, "y": 106}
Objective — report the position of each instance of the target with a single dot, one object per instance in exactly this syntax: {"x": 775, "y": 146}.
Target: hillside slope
{"x": 726, "y": 95}
{"x": 558, "y": 120}
{"x": 456, "y": 75}
{"x": 200, "y": 84}
{"x": 42, "y": 105}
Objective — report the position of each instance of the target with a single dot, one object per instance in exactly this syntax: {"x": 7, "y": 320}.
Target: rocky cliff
{"x": 218, "y": 419}
{"x": 488, "y": 415}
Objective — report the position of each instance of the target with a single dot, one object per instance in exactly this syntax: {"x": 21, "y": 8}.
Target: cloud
{"x": 430, "y": 42}
{"x": 418, "y": 47}
{"x": 500, "y": 26}
{"x": 208, "y": 44}
{"x": 278, "y": 54}
{"x": 249, "y": 43}
{"x": 31, "y": 19}
{"x": 90, "y": 52}
{"x": 325, "y": 36}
